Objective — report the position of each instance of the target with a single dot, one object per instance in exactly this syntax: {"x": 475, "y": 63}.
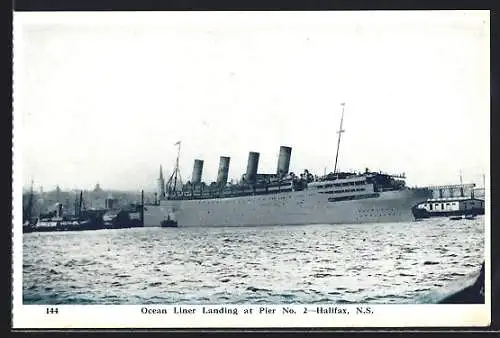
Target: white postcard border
{"x": 132, "y": 316}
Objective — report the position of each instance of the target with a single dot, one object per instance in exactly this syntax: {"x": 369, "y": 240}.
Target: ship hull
{"x": 292, "y": 208}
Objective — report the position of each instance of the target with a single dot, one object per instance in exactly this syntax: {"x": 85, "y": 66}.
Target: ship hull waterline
{"x": 290, "y": 208}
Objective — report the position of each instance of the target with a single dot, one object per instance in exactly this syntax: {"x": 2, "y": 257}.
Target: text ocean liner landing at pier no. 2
{"x": 282, "y": 198}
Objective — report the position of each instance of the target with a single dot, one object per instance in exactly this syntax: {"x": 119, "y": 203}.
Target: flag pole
{"x": 177, "y": 163}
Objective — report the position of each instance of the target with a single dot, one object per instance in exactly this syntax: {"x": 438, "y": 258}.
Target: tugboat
{"x": 170, "y": 222}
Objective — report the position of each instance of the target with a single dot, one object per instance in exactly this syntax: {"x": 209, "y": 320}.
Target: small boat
{"x": 168, "y": 223}
{"x": 456, "y": 218}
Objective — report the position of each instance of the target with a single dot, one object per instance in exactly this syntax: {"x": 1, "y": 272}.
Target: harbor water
{"x": 416, "y": 262}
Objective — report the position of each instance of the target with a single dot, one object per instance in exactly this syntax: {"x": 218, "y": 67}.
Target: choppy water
{"x": 416, "y": 262}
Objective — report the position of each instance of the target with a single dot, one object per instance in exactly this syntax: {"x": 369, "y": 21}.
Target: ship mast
{"x": 340, "y": 131}
{"x": 461, "y": 185}
{"x": 177, "y": 163}
{"x": 177, "y": 173}
{"x": 30, "y": 203}
{"x": 80, "y": 202}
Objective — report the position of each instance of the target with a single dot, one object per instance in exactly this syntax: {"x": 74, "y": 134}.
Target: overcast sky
{"x": 103, "y": 97}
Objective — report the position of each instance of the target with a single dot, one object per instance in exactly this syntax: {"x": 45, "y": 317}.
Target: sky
{"x": 103, "y": 97}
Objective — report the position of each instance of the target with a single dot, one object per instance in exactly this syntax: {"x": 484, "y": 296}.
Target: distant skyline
{"x": 104, "y": 97}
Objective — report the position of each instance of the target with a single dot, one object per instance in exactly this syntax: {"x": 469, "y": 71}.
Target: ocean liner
{"x": 283, "y": 198}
